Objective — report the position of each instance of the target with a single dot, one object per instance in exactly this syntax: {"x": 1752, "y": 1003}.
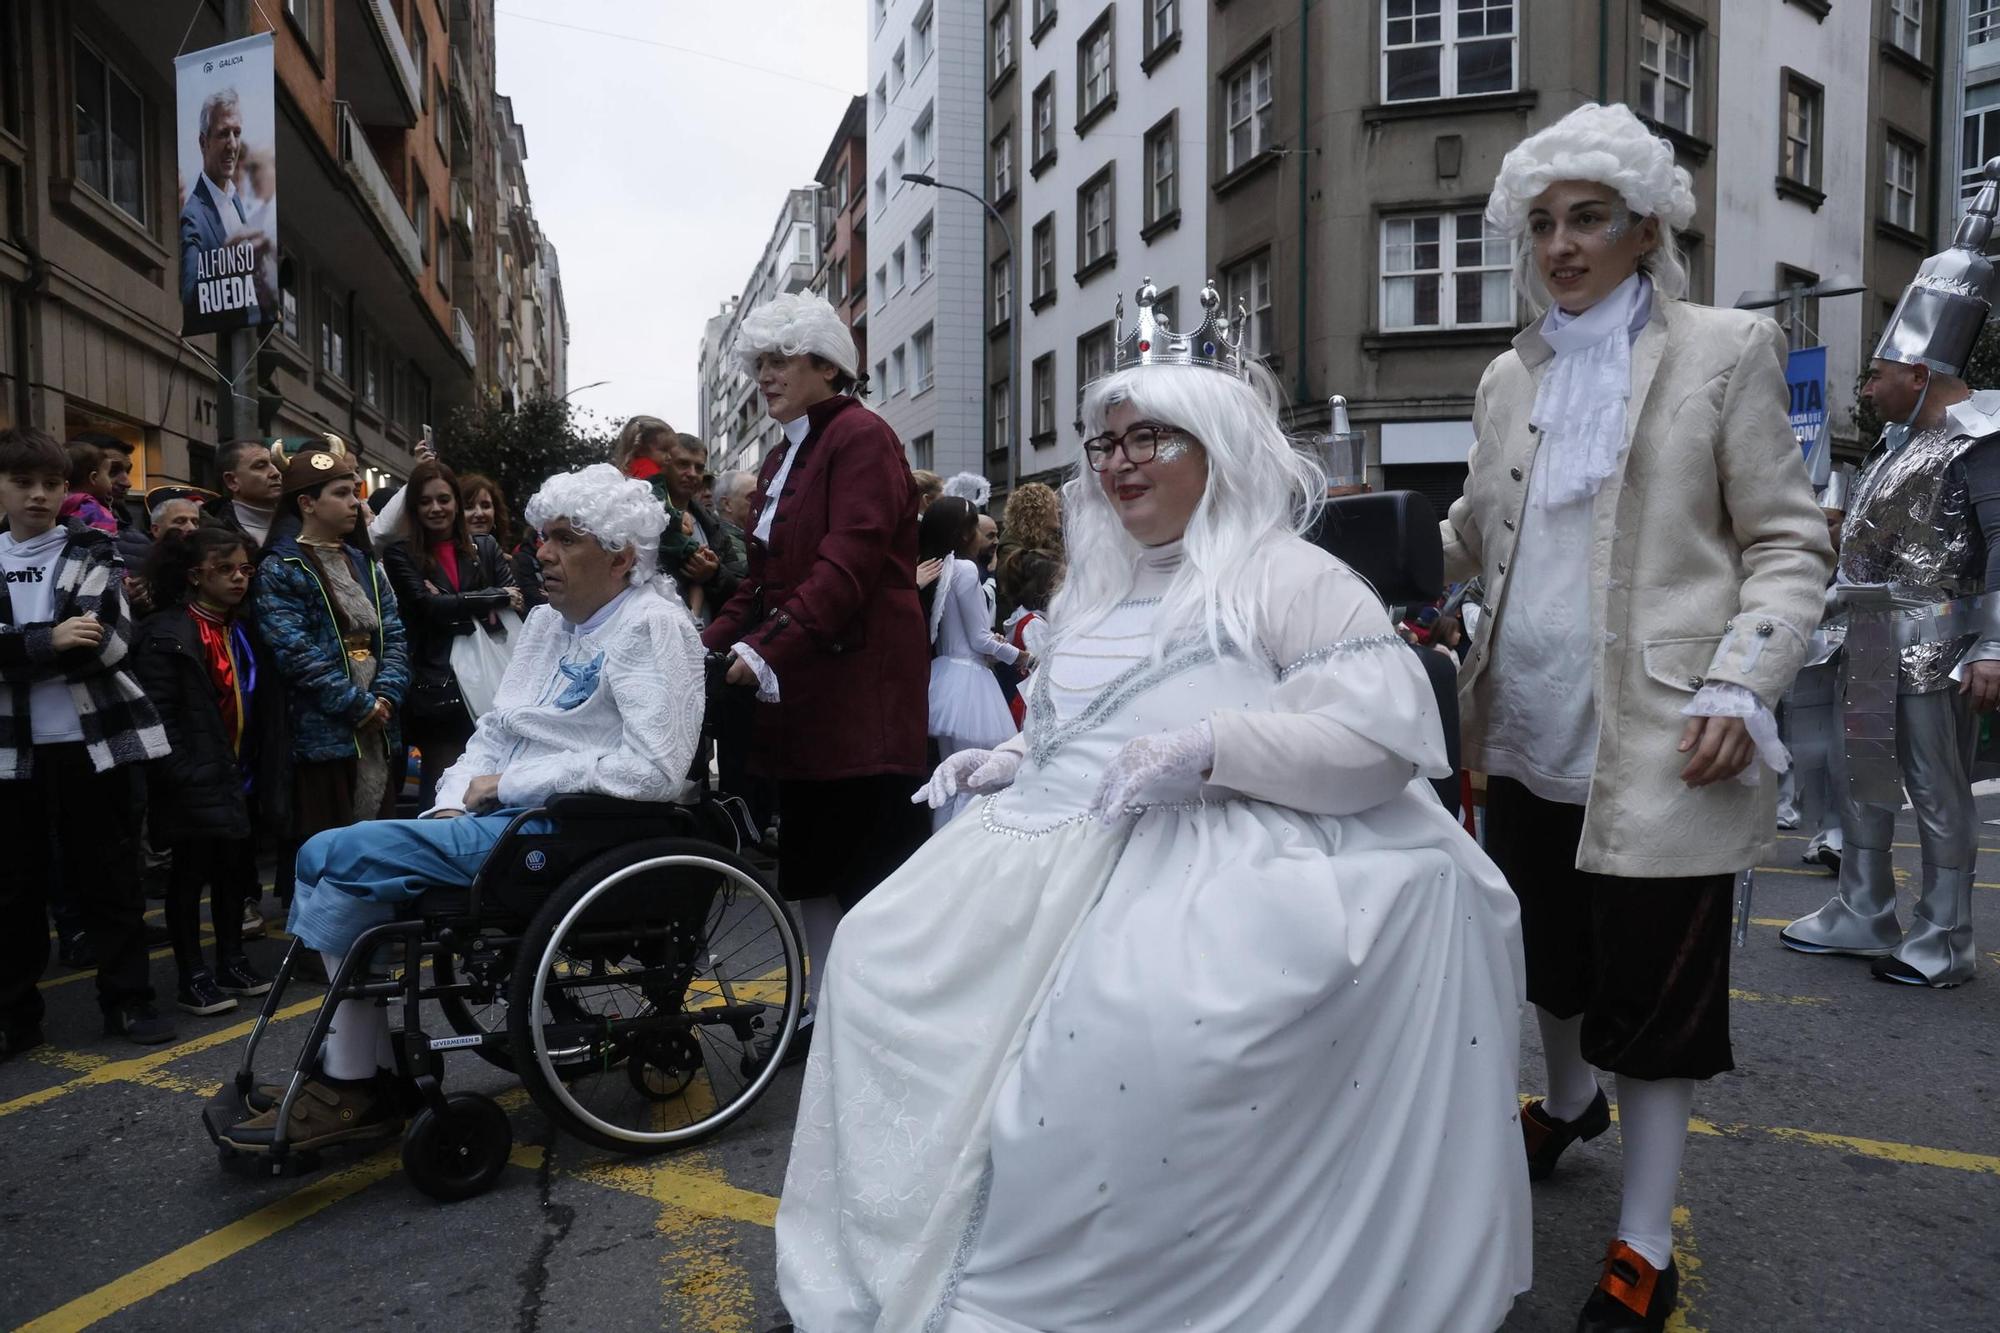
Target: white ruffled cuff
{"x": 1722, "y": 699}
{"x": 767, "y": 679}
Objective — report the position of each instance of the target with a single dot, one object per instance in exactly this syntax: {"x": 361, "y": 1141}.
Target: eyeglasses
{"x": 1140, "y": 445}
{"x": 247, "y": 571}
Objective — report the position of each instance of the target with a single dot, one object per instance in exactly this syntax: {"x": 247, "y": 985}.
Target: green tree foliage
{"x": 525, "y": 447}
{"x": 1981, "y": 372}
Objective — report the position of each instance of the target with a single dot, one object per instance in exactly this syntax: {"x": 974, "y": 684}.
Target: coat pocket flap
{"x": 1681, "y": 664}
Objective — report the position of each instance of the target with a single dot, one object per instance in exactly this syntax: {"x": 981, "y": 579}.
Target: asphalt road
{"x": 1845, "y": 1177}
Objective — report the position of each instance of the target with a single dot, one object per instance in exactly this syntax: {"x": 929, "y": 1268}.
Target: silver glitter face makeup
{"x": 1171, "y": 448}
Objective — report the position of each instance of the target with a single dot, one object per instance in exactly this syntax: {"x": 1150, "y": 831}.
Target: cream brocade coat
{"x": 1709, "y": 560}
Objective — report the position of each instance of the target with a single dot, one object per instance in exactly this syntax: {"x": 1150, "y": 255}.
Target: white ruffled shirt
{"x": 795, "y": 434}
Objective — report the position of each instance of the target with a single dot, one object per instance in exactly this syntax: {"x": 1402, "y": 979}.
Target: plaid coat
{"x": 120, "y": 725}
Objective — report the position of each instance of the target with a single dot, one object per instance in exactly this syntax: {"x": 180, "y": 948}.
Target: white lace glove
{"x": 968, "y": 771}
{"x": 1723, "y": 699}
{"x": 1146, "y": 760}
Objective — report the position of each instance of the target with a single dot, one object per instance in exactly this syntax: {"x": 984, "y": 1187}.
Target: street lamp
{"x": 1013, "y": 321}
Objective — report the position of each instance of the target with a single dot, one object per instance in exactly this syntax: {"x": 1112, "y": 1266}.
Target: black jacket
{"x": 222, "y": 510}
{"x": 197, "y": 790}
{"x": 433, "y": 619}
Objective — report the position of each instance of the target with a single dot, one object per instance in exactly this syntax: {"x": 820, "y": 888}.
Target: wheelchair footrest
{"x": 225, "y": 1111}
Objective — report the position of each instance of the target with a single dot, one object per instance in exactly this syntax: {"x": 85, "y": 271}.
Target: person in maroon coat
{"x": 825, "y": 624}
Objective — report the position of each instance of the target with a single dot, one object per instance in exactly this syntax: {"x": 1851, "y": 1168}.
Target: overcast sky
{"x": 658, "y": 163}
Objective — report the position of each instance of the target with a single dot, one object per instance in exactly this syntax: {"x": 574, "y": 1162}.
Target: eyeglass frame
{"x": 1107, "y": 443}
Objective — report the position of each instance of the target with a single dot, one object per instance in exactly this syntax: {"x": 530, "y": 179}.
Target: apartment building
{"x": 1793, "y": 184}
{"x": 377, "y": 225}
{"x": 1112, "y": 138}
{"x": 927, "y": 64}
{"x": 736, "y": 428}
{"x": 843, "y": 224}
{"x": 1006, "y": 422}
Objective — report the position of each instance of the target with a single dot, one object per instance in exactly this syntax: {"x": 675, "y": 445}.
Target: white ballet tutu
{"x": 966, "y": 704}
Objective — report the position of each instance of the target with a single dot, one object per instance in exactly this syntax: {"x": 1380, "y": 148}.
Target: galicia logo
{"x": 208, "y": 66}
{"x": 32, "y": 575}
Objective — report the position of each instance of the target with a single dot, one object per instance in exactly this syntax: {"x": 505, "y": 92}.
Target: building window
{"x": 1045, "y": 14}
{"x": 922, "y": 238}
{"x": 921, "y": 139}
{"x": 881, "y": 191}
{"x": 920, "y": 361}
{"x": 920, "y": 37}
{"x": 1979, "y": 140}
{"x": 1163, "y": 188}
{"x": 881, "y": 13}
{"x": 440, "y": 121}
{"x": 1247, "y": 111}
{"x": 1044, "y": 143}
{"x": 923, "y": 453}
{"x": 1003, "y": 164}
{"x": 1982, "y": 22}
{"x": 898, "y": 270}
{"x": 1093, "y": 69}
{"x": 1002, "y": 29}
{"x": 1666, "y": 72}
{"x": 1249, "y": 283}
{"x": 1447, "y": 48}
{"x": 333, "y": 335}
{"x": 881, "y": 98}
{"x": 305, "y": 13}
{"x": 1799, "y": 319}
{"x": 897, "y": 165}
{"x": 1094, "y": 243}
{"x": 1001, "y": 396}
{"x": 802, "y": 245}
{"x": 1799, "y": 154}
{"x": 1093, "y": 362}
{"x": 1003, "y": 290}
{"x": 1444, "y": 271}
{"x": 420, "y": 217}
{"x": 1899, "y": 181}
{"x": 1045, "y": 260}
{"x": 1044, "y": 383}
{"x": 897, "y": 361}
{"x": 882, "y": 288}
{"x": 836, "y": 282}
{"x": 368, "y": 355}
{"x": 110, "y": 134}
{"x": 1906, "y": 26}
{"x": 882, "y": 376}
{"x": 897, "y": 71}
{"x": 1163, "y": 23}
{"x": 443, "y": 260}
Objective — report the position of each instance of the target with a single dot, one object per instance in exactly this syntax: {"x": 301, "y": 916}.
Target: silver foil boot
{"x": 1939, "y": 945}
{"x": 1861, "y": 918}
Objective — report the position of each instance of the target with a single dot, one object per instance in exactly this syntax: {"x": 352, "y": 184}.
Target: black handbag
{"x": 436, "y": 701}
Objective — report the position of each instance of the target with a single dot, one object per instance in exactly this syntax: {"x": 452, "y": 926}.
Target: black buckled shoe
{"x": 1545, "y": 1137}
{"x": 1632, "y": 1296}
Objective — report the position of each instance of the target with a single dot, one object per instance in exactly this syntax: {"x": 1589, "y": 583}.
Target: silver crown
{"x": 1215, "y": 344}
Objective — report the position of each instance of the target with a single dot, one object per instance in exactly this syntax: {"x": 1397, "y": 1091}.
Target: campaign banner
{"x": 1805, "y": 376}
{"x": 227, "y": 145}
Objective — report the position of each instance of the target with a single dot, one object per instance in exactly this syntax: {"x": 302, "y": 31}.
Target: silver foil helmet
{"x": 1344, "y": 449}
{"x": 1946, "y": 304}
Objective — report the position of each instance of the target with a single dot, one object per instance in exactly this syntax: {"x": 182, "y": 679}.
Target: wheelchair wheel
{"x": 643, "y": 987}
{"x": 460, "y": 1153}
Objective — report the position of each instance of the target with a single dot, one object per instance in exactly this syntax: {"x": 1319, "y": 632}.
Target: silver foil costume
{"x": 1911, "y": 563}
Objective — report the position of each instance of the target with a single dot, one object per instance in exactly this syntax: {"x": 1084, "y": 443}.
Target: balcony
{"x": 376, "y": 74}
{"x": 461, "y": 24}
{"x": 372, "y": 184}
{"x": 461, "y": 218}
{"x": 468, "y": 346}
{"x": 461, "y": 94}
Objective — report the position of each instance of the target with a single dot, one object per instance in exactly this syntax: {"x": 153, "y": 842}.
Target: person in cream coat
{"x": 1653, "y": 561}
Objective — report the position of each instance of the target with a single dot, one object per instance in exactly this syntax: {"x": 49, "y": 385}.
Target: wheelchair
{"x": 622, "y": 958}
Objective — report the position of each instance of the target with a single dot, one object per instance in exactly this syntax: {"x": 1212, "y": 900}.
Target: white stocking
{"x": 821, "y": 917}
{"x": 1572, "y": 1079}
{"x": 359, "y": 1029}
{"x": 1653, "y": 1122}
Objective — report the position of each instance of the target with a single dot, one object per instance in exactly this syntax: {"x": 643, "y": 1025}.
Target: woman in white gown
{"x": 1222, "y": 1033}
{"x": 967, "y": 709}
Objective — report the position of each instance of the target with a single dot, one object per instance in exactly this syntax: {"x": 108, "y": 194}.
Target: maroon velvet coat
{"x": 831, "y": 605}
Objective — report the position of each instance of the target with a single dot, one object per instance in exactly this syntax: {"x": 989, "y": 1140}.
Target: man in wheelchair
{"x": 603, "y": 695}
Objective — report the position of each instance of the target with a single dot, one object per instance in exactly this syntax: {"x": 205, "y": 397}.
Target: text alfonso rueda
{"x": 223, "y": 276}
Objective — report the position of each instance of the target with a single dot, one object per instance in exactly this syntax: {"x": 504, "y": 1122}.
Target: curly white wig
{"x": 795, "y": 324}
{"x": 614, "y": 509}
{"x": 1610, "y": 145}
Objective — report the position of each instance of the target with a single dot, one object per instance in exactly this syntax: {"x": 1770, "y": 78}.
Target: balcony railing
{"x": 461, "y": 91}
{"x": 461, "y": 217}
{"x": 376, "y": 73}
{"x": 372, "y": 183}
{"x": 468, "y": 346}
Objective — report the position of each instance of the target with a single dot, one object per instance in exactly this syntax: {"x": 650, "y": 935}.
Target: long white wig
{"x": 611, "y": 507}
{"x": 794, "y": 324}
{"x": 1610, "y": 145}
{"x": 1260, "y": 488}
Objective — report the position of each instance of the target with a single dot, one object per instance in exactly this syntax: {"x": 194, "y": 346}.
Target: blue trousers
{"x": 352, "y": 878}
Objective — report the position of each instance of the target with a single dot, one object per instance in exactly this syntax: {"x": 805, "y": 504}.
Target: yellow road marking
{"x": 147, "y": 1069}
{"x": 1760, "y": 998}
{"x": 1909, "y": 1153}
{"x": 87, "y": 973}
{"x": 686, "y": 1186}
{"x": 211, "y": 1249}
{"x": 1693, "y": 1285}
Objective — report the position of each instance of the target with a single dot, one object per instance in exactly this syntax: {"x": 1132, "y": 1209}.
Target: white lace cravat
{"x": 1580, "y": 405}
